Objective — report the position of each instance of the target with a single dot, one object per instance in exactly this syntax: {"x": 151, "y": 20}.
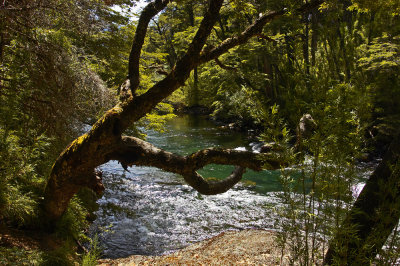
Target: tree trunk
{"x": 373, "y": 216}
{"x": 268, "y": 71}
{"x": 195, "y": 90}
{"x": 290, "y": 52}
{"x": 194, "y": 97}
{"x": 306, "y": 44}
{"x": 314, "y": 36}
{"x": 75, "y": 166}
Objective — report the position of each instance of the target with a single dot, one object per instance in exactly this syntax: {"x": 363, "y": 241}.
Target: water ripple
{"x": 152, "y": 212}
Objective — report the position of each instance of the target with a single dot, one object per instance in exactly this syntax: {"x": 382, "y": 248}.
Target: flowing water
{"x": 150, "y": 212}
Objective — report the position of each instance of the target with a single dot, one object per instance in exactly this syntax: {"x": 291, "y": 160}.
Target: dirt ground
{"x": 28, "y": 240}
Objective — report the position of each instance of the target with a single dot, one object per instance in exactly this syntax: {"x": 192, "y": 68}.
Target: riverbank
{"x": 223, "y": 121}
{"x": 246, "y": 247}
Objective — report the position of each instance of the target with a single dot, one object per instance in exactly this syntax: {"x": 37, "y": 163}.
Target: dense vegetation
{"x": 63, "y": 63}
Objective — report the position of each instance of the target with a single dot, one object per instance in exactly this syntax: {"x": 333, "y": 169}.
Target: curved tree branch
{"x": 212, "y": 187}
{"x": 76, "y": 163}
{"x": 133, "y": 151}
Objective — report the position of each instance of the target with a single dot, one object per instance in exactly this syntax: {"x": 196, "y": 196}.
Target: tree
{"x": 75, "y": 167}
{"x": 373, "y": 216}
{"x": 41, "y": 64}
{"x": 49, "y": 90}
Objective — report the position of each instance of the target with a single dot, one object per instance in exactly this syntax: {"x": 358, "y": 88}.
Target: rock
{"x": 266, "y": 148}
{"x": 306, "y": 126}
{"x": 197, "y": 110}
{"x": 247, "y": 247}
{"x": 271, "y": 147}
{"x": 305, "y": 129}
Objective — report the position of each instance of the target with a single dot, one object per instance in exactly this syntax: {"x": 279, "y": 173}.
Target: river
{"x": 150, "y": 212}
{"x": 147, "y": 211}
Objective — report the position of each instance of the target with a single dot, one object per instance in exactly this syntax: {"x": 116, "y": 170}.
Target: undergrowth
{"x": 25, "y": 161}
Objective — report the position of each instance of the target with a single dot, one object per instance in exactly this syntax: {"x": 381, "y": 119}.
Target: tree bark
{"x": 373, "y": 216}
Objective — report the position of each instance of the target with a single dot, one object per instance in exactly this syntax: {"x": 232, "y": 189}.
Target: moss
{"x": 212, "y": 179}
{"x": 79, "y": 141}
{"x": 248, "y": 183}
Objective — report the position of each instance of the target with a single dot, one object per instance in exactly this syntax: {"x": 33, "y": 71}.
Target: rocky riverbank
{"x": 247, "y": 247}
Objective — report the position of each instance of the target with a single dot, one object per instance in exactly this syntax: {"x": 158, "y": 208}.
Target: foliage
{"x": 382, "y": 54}
{"x": 22, "y": 177}
{"x": 392, "y": 6}
{"x": 22, "y": 181}
{"x": 50, "y": 87}
{"x": 46, "y": 81}
{"x": 94, "y": 253}
{"x": 343, "y": 94}
{"x": 62, "y": 63}
{"x": 318, "y": 193}
{"x": 72, "y": 225}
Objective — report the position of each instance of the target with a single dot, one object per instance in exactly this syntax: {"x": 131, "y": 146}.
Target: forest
{"x": 315, "y": 83}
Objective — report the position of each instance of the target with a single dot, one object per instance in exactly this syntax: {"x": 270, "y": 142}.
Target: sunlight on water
{"x": 153, "y": 212}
